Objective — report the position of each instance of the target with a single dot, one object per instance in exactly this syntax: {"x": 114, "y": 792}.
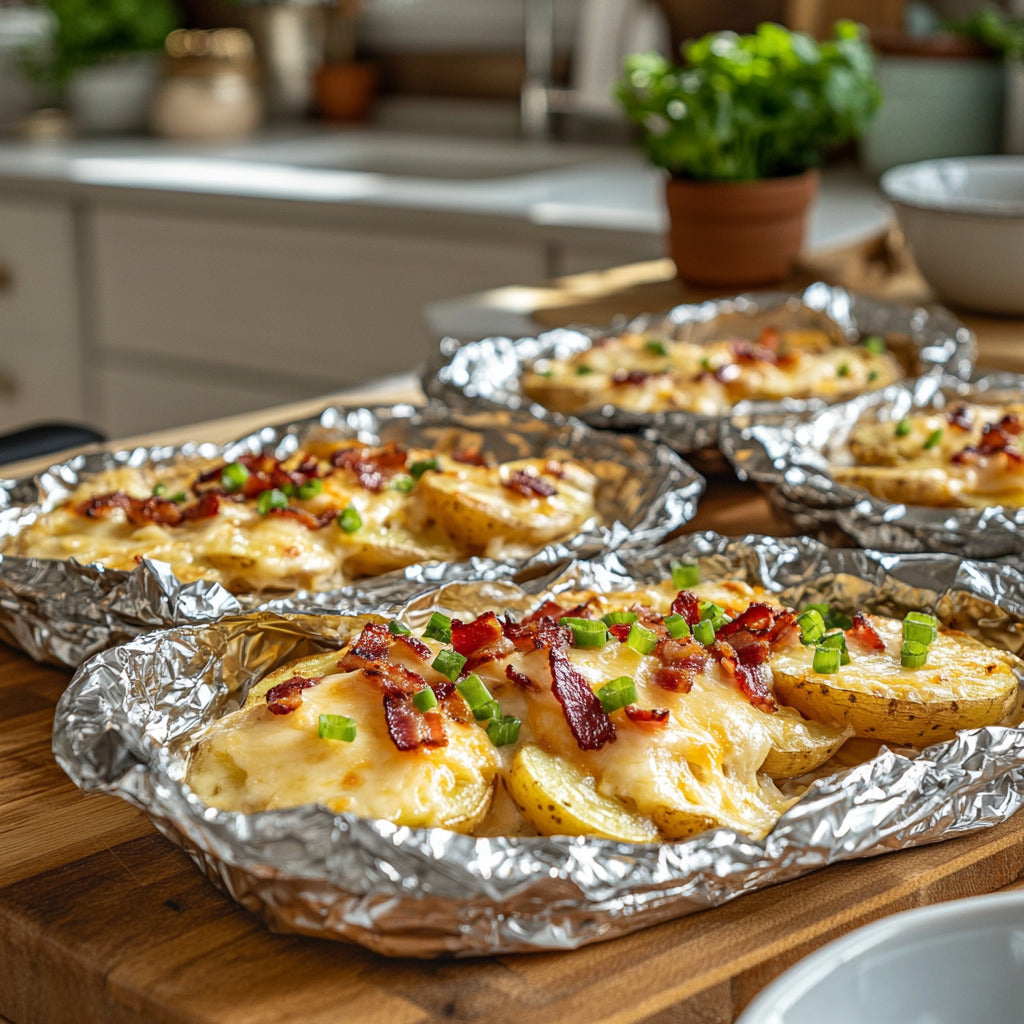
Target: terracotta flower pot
{"x": 345, "y": 91}
{"x": 738, "y": 234}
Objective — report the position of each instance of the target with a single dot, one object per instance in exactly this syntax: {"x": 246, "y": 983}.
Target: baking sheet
{"x": 62, "y": 611}
{"x": 131, "y": 713}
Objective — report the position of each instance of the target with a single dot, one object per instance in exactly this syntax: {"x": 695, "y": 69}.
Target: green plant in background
{"x": 745, "y": 107}
{"x": 995, "y": 28}
{"x": 86, "y": 32}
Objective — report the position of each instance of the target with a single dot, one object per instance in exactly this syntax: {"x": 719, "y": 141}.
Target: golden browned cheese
{"x": 318, "y": 518}
{"x": 697, "y": 745}
{"x": 969, "y": 456}
{"x": 645, "y": 373}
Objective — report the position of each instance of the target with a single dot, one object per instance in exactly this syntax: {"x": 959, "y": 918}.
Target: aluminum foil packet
{"x": 792, "y": 461}
{"x": 487, "y": 372}
{"x": 131, "y": 713}
{"x": 63, "y": 611}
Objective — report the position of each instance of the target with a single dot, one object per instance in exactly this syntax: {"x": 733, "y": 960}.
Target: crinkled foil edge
{"x": 124, "y": 726}
{"x": 791, "y": 461}
{"x": 63, "y": 612}
{"x": 487, "y": 372}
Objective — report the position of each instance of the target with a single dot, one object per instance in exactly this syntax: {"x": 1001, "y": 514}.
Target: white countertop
{"x": 455, "y": 161}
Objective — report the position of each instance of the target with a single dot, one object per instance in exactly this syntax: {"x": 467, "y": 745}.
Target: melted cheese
{"x": 247, "y": 551}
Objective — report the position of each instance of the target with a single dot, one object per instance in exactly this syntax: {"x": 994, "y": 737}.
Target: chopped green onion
{"x": 903, "y": 427}
{"x": 396, "y": 628}
{"x": 545, "y": 373}
{"x": 403, "y": 483}
{"x": 812, "y": 626}
{"x": 425, "y": 699}
{"x": 826, "y": 660}
{"x": 439, "y": 627}
{"x": 489, "y": 710}
{"x": 710, "y": 610}
{"x": 178, "y": 497}
{"x": 642, "y": 640}
{"x": 920, "y": 627}
{"x": 677, "y": 626}
{"x": 233, "y": 476}
{"x": 159, "y": 490}
{"x": 309, "y": 488}
{"x": 475, "y": 694}
{"x": 417, "y": 469}
{"x": 583, "y": 370}
{"x": 685, "y": 575}
{"x": 705, "y": 364}
{"x": 586, "y": 632}
{"x": 874, "y": 343}
{"x": 843, "y": 370}
{"x": 704, "y": 632}
{"x": 349, "y": 519}
{"x": 913, "y": 654}
{"x": 289, "y": 489}
{"x": 336, "y": 727}
{"x": 836, "y": 641}
{"x": 271, "y": 499}
{"x": 503, "y": 731}
{"x": 449, "y": 663}
{"x": 933, "y": 438}
{"x": 872, "y": 376}
{"x": 617, "y": 694}
{"x": 833, "y": 619}
{"x": 619, "y": 618}
{"x": 656, "y": 347}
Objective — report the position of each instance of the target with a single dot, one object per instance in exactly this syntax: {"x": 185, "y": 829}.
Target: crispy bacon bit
{"x": 625, "y": 377}
{"x": 753, "y": 680}
{"x": 770, "y": 338}
{"x": 863, "y": 634}
{"x": 372, "y": 644}
{"x": 755, "y": 618}
{"x": 308, "y": 519}
{"x": 409, "y": 727}
{"x": 646, "y": 716}
{"x": 142, "y": 511}
{"x": 373, "y": 467}
{"x": 417, "y": 646}
{"x": 469, "y": 637}
{"x": 470, "y": 457}
{"x": 620, "y": 630}
{"x": 748, "y": 352}
{"x": 532, "y": 634}
{"x": 687, "y": 605}
{"x": 587, "y": 719}
{"x": 208, "y": 505}
{"x": 520, "y": 679}
{"x": 674, "y": 678}
{"x": 284, "y": 698}
{"x": 527, "y": 485}
{"x": 959, "y": 417}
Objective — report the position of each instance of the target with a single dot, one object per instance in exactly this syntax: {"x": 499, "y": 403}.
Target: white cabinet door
{"x": 40, "y": 353}
{"x": 313, "y": 307}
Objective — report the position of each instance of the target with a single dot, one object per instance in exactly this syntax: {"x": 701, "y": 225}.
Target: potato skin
{"x": 800, "y": 746}
{"x": 964, "y": 685}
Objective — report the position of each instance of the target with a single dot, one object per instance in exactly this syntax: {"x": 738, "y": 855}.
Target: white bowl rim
{"x": 781, "y": 994}
{"x": 899, "y": 185}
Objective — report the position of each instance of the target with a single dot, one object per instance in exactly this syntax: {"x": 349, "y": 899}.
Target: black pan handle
{"x": 44, "y": 439}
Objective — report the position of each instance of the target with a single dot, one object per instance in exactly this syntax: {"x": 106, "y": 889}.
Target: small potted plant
{"x": 102, "y": 58}
{"x": 741, "y": 127}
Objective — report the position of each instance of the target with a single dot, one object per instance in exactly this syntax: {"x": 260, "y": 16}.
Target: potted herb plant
{"x": 102, "y": 58}
{"x": 741, "y": 127}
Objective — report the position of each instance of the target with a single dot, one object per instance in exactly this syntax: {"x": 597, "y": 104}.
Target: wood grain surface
{"x": 103, "y": 920}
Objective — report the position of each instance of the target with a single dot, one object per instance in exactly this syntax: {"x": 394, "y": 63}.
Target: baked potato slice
{"x": 482, "y": 508}
{"x": 558, "y": 799}
{"x": 963, "y": 685}
{"x": 799, "y": 746}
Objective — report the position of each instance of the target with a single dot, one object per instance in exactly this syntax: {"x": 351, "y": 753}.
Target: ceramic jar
{"x": 209, "y": 87}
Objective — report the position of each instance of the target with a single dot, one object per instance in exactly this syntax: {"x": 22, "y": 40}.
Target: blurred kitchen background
{"x": 291, "y": 197}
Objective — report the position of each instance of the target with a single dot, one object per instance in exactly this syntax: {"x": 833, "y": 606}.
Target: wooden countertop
{"x": 103, "y": 920}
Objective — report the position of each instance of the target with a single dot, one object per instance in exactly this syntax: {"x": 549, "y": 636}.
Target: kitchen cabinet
{"x": 41, "y": 353}
{"x": 195, "y": 316}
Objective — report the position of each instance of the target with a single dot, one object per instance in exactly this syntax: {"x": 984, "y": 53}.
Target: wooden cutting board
{"x": 103, "y": 920}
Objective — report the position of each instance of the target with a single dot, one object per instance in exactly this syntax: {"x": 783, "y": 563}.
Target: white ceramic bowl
{"x": 950, "y": 963}
{"x": 963, "y": 218}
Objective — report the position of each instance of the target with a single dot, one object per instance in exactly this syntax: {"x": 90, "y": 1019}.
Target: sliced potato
{"x": 963, "y": 685}
{"x": 473, "y": 505}
{"x": 799, "y": 746}
{"x": 560, "y": 800}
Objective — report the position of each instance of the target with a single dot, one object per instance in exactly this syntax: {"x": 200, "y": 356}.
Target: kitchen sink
{"x": 449, "y": 158}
